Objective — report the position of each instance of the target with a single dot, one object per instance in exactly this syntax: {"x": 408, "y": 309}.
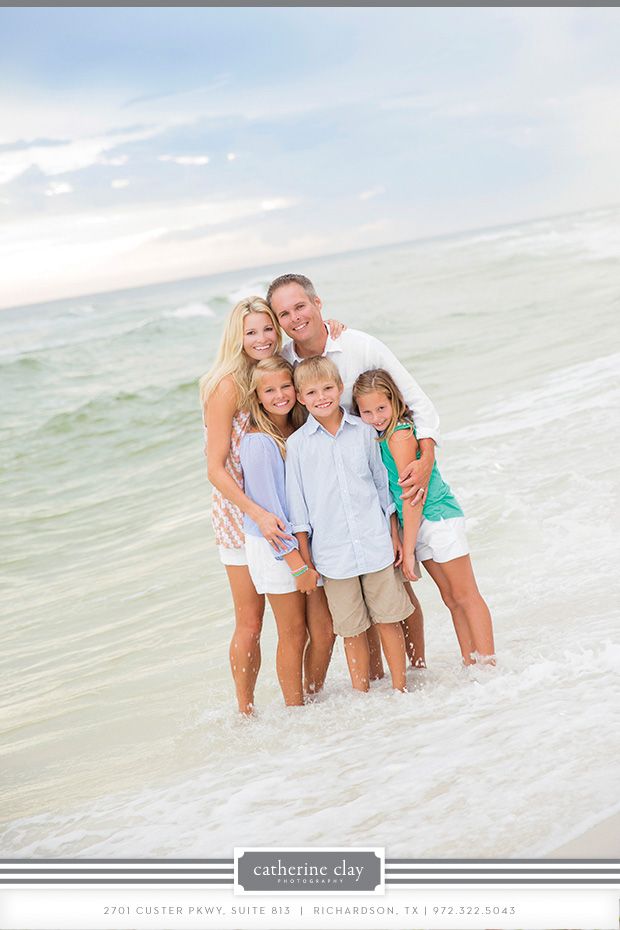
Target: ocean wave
{"x": 81, "y": 310}
{"x": 190, "y": 310}
{"x": 566, "y": 393}
{"x": 27, "y": 362}
{"x": 255, "y": 287}
{"x": 157, "y": 403}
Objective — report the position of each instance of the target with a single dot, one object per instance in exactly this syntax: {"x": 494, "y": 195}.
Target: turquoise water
{"x": 119, "y": 736}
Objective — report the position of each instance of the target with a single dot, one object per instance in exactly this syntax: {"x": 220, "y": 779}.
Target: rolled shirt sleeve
{"x": 380, "y": 475}
{"x": 295, "y": 499}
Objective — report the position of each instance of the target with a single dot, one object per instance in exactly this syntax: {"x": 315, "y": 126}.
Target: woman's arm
{"x": 404, "y": 448}
{"x": 218, "y": 415}
{"x": 335, "y": 327}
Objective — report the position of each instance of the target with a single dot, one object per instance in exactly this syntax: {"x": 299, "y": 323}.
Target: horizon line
{"x": 417, "y": 240}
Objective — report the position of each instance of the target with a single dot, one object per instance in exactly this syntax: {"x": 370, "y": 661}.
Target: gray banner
{"x": 309, "y": 870}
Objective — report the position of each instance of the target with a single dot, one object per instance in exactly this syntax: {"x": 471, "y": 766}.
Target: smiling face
{"x": 276, "y": 392}
{"x": 298, "y": 315}
{"x": 259, "y": 336}
{"x": 375, "y": 408}
{"x": 321, "y": 397}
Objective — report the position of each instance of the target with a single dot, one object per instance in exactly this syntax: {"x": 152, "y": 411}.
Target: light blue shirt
{"x": 337, "y": 490}
{"x": 263, "y": 479}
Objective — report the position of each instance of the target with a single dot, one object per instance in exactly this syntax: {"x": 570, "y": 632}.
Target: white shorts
{"x": 270, "y": 575}
{"x": 441, "y": 540}
{"x": 232, "y": 556}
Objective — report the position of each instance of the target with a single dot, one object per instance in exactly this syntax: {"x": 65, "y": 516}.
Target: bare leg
{"x": 374, "y": 651}
{"x": 290, "y": 613}
{"x": 358, "y": 659}
{"x": 413, "y": 628}
{"x": 320, "y": 643}
{"x": 393, "y": 642}
{"x": 470, "y": 614}
{"x": 245, "y": 644}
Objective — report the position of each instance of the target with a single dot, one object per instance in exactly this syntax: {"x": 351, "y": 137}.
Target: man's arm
{"x": 413, "y": 479}
{"x": 425, "y": 417}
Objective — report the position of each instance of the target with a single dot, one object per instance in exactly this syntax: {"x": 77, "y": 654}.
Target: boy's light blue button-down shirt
{"x": 337, "y": 490}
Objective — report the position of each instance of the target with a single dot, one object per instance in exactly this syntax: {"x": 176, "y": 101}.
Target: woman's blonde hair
{"x": 378, "y": 379}
{"x": 231, "y": 359}
{"x": 259, "y": 420}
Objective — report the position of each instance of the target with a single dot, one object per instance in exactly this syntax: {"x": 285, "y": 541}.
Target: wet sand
{"x": 599, "y": 842}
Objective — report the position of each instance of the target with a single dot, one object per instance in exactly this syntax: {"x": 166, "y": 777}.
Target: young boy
{"x": 337, "y": 492}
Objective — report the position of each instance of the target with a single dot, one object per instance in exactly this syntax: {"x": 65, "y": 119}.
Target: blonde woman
{"x": 252, "y": 333}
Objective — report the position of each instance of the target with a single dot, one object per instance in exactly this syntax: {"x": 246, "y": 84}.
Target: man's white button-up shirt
{"x": 354, "y": 352}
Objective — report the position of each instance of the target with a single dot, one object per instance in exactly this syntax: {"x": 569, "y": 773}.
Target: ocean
{"x": 120, "y": 737}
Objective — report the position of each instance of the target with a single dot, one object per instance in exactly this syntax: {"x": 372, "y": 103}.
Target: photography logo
{"x": 307, "y": 871}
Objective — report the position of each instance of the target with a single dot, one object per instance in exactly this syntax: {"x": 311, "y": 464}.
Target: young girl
{"x": 305, "y": 634}
{"x": 434, "y": 532}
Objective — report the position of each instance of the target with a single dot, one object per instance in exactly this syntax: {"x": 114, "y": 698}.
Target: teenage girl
{"x": 433, "y": 533}
{"x": 305, "y": 632}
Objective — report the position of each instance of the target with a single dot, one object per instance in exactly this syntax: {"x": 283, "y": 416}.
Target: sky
{"x": 140, "y": 145}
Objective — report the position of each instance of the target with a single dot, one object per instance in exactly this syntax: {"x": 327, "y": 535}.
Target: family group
{"x": 327, "y": 497}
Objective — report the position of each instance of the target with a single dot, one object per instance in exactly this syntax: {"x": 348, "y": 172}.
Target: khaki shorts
{"x": 377, "y": 597}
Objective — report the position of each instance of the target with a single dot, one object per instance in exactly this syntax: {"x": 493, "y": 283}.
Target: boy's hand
{"x": 306, "y": 583}
{"x": 408, "y": 568}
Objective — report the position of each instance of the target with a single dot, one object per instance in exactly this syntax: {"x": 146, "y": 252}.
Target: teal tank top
{"x": 440, "y": 503}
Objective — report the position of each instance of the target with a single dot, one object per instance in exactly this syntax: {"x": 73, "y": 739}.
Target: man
{"x": 297, "y": 306}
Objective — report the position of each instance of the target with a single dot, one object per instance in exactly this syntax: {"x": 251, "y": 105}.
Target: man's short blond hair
{"x": 312, "y": 370}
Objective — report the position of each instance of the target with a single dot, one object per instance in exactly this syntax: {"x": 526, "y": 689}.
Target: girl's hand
{"x": 408, "y": 568}
{"x": 398, "y": 550}
{"x": 336, "y": 328}
{"x": 274, "y": 530}
{"x": 306, "y": 583}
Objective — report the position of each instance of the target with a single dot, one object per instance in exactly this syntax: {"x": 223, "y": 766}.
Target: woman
{"x": 252, "y": 333}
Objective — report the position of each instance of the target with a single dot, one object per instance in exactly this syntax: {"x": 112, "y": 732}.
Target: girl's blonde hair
{"x": 259, "y": 420}
{"x": 378, "y": 379}
{"x": 231, "y": 359}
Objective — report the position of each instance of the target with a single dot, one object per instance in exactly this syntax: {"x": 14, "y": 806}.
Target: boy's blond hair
{"x": 317, "y": 368}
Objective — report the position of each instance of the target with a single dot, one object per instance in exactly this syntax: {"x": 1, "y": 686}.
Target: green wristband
{"x": 300, "y": 571}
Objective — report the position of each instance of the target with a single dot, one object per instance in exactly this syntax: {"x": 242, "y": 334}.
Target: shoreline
{"x": 601, "y": 841}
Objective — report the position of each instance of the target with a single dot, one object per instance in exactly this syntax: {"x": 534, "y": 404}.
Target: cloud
{"x": 277, "y": 203}
{"x": 55, "y": 188}
{"x": 409, "y": 102}
{"x": 217, "y": 83}
{"x": 72, "y": 155}
{"x": 373, "y": 192}
{"x": 120, "y": 183}
{"x": 186, "y": 159}
{"x": 117, "y": 161}
{"x": 224, "y": 213}
{"x": 22, "y": 144}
